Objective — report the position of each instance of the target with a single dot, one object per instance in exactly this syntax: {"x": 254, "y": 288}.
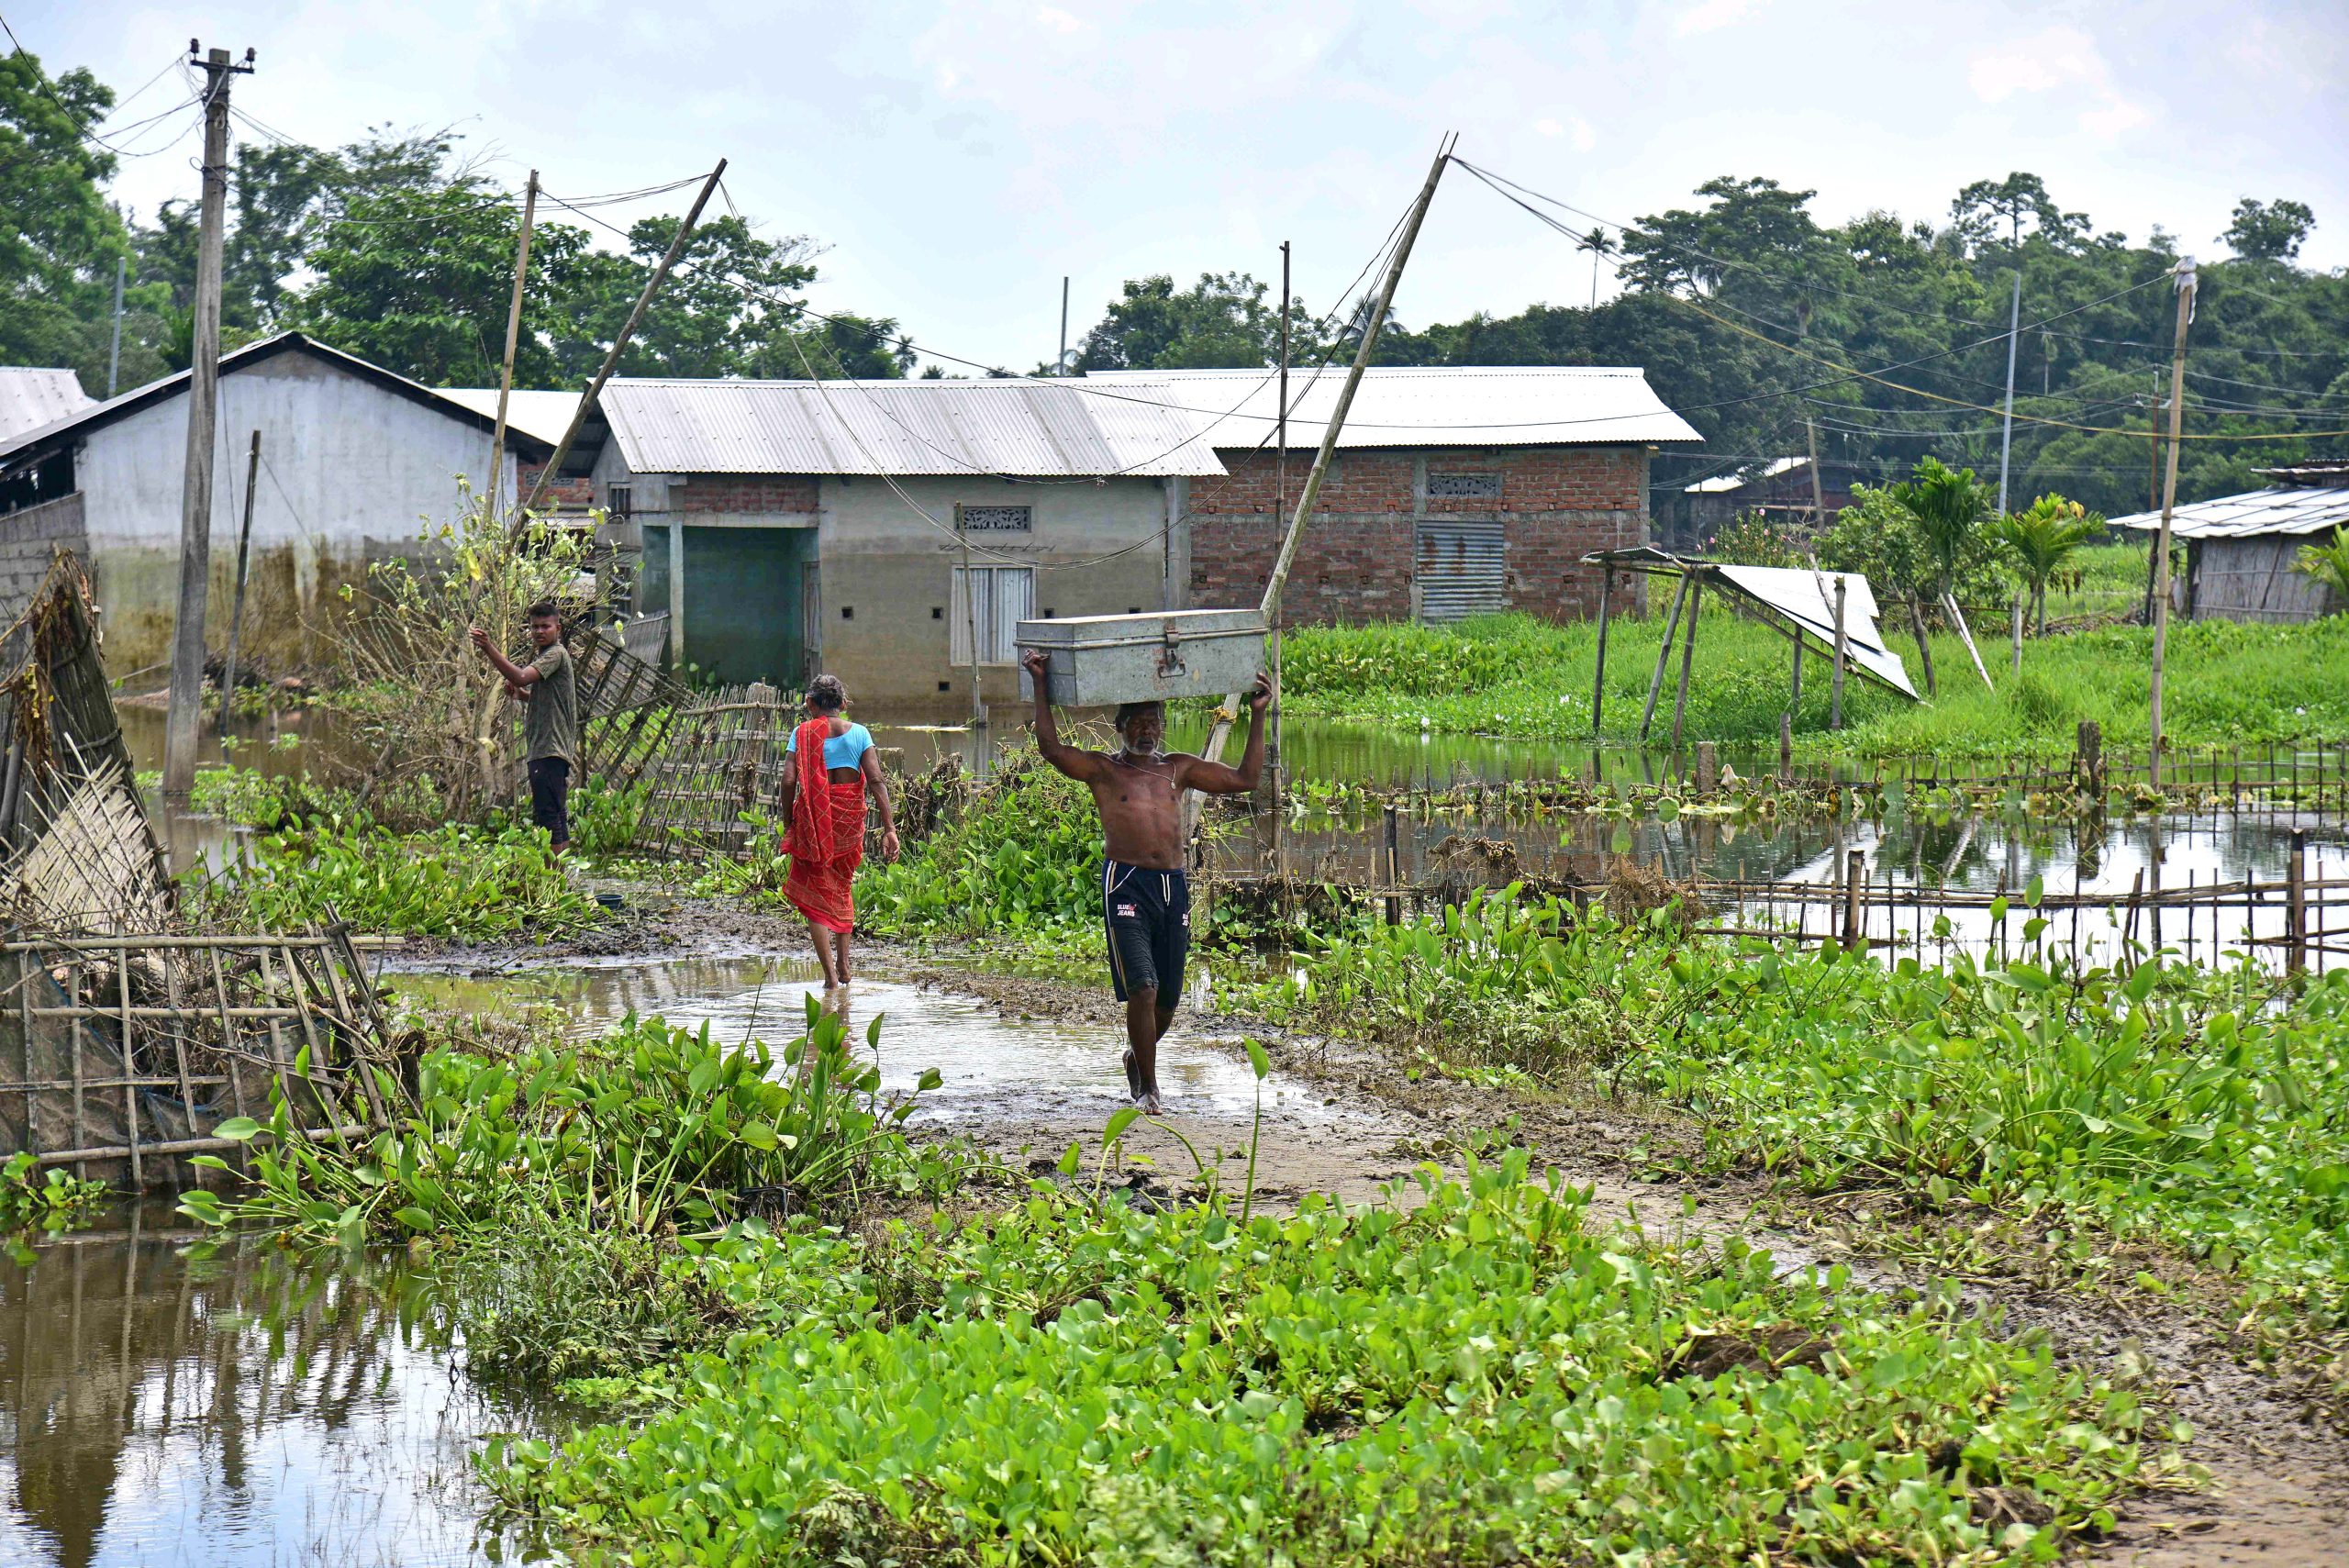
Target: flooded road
{"x": 165, "y": 1404}
{"x": 995, "y": 1068}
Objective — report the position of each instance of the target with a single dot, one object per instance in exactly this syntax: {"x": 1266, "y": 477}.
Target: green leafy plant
{"x": 470, "y": 883}
{"x": 2040, "y": 540}
{"x": 54, "y": 1199}
{"x": 2328, "y": 564}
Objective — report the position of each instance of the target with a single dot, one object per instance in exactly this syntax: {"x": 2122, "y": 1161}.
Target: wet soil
{"x": 1031, "y": 1065}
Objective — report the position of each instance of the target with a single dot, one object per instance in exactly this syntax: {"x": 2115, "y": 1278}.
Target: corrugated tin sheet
{"x": 2296, "y": 510}
{"x": 31, "y": 398}
{"x": 1030, "y": 428}
{"x": 1462, "y": 568}
{"x": 545, "y": 415}
{"x": 1437, "y": 406}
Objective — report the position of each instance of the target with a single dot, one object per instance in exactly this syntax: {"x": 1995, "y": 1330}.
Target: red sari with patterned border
{"x": 827, "y": 835}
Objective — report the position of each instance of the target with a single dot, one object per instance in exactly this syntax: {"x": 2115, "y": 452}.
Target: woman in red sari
{"x": 829, "y": 766}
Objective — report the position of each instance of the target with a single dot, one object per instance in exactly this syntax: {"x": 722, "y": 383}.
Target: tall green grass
{"x": 1513, "y": 675}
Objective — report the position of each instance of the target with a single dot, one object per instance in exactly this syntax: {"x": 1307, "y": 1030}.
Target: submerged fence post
{"x": 2296, "y": 906}
{"x": 2017, "y": 635}
{"x": 2088, "y": 761}
{"x": 1394, "y": 870}
{"x": 1786, "y": 748}
{"x": 1687, "y": 657}
{"x": 1854, "y": 874}
{"x": 1708, "y": 767}
{"x": 1598, "y": 678}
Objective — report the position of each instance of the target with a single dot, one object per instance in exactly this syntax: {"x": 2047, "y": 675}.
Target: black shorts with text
{"x": 1146, "y": 915}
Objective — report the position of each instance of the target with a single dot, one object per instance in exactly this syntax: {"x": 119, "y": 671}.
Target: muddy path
{"x": 1030, "y": 1065}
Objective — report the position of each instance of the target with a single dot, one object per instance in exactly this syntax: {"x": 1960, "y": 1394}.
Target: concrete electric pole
{"x": 2184, "y": 271}
{"x": 203, "y": 414}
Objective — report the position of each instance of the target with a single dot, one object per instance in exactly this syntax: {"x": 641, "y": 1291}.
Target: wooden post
{"x": 2087, "y": 760}
{"x": 182, "y": 713}
{"x": 1598, "y": 679}
{"x": 1664, "y": 654}
{"x": 1786, "y": 748}
{"x": 513, "y": 334}
{"x": 237, "y": 599}
{"x": 1842, "y": 652}
{"x": 1687, "y": 657}
{"x": 1708, "y": 767}
{"x": 1855, "y": 879}
{"x": 2015, "y": 635}
{"x": 2296, "y": 908}
{"x": 619, "y": 345}
{"x": 2185, "y": 273}
{"x": 1394, "y": 876}
{"x": 1277, "y": 582}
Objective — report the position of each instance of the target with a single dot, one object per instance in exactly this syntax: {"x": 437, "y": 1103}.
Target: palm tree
{"x": 2328, "y": 563}
{"x": 1946, "y": 505}
{"x": 2041, "y": 540}
{"x": 1600, "y": 247}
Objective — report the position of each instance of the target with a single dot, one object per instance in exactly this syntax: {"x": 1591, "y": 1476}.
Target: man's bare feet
{"x": 1151, "y": 1104}
{"x": 1133, "y": 1078}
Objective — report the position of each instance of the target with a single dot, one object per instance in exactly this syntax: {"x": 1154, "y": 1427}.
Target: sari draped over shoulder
{"x": 827, "y": 835}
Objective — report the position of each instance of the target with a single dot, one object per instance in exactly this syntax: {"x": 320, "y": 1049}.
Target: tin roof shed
{"x": 1015, "y": 427}
{"x": 31, "y": 398}
{"x": 1449, "y": 405}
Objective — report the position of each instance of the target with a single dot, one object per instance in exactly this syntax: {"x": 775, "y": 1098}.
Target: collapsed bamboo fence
{"x": 126, "y": 1041}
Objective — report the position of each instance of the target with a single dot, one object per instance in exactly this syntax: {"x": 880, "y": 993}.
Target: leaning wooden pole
{"x": 1312, "y": 492}
{"x": 619, "y": 345}
{"x": 2186, "y": 282}
{"x": 513, "y": 336}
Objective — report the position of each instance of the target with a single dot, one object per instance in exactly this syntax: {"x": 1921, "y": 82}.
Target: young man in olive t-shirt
{"x": 550, "y": 721}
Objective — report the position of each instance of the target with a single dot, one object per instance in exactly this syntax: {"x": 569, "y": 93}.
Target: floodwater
{"x": 169, "y": 1403}
{"x": 993, "y": 1067}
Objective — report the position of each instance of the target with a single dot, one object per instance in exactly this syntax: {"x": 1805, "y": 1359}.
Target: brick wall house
{"x": 1454, "y": 491}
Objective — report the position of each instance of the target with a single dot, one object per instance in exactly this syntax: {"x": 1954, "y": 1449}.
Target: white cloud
{"x": 1060, "y": 21}
{"x": 1573, "y": 128}
{"x": 2066, "y": 63}
{"x": 1549, "y": 128}
{"x": 1709, "y": 15}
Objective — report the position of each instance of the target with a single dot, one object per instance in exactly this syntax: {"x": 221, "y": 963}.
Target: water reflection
{"x": 245, "y": 1408}
{"x": 992, "y": 1065}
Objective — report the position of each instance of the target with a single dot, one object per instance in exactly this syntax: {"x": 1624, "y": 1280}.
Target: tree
{"x": 418, "y": 281}
{"x": 1600, "y": 245}
{"x": 1985, "y": 206}
{"x": 725, "y": 305}
{"x": 2040, "y": 540}
{"x": 58, "y": 236}
{"x": 1948, "y": 505}
{"x": 1221, "y": 322}
{"x": 2268, "y": 231}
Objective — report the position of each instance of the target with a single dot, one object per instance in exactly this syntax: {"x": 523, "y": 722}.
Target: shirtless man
{"x": 1145, "y": 899}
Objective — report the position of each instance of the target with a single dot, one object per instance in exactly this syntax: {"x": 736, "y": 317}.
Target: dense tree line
{"x": 1751, "y": 316}
{"x": 394, "y": 247}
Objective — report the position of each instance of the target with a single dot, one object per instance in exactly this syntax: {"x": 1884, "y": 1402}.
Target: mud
{"x": 1030, "y": 1066}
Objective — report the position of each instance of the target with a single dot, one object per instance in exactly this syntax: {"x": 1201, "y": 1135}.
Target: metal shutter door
{"x": 1462, "y": 569}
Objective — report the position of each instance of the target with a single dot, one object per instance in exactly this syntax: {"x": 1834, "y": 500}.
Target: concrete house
{"x": 1455, "y": 490}
{"x": 356, "y": 464}
{"x": 2241, "y": 550}
{"x": 787, "y": 526}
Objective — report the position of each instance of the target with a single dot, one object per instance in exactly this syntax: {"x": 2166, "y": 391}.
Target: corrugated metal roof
{"x": 91, "y": 415}
{"x": 2297, "y": 510}
{"x": 1025, "y": 427}
{"x": 1471, "y": 405}
{"x": 545, "y": 415}
{"x": 31, "y": 398}
{"x": 1722, "y": 484}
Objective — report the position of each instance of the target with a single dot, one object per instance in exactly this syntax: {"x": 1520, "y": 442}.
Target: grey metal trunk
{"x": 1100, "y": 660}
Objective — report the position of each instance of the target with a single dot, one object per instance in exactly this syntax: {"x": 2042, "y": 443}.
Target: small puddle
{"x": 239, "y": 1407}
{"x": 994, "y": 1067}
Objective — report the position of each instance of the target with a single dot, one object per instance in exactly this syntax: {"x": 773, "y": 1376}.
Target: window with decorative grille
{"x": 996, "y": 519}
{"x": 1464, "y": 486}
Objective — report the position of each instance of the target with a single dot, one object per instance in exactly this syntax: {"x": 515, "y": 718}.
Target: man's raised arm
{"x": 1073, "y": 760}
{"x": 1215, "y": 778}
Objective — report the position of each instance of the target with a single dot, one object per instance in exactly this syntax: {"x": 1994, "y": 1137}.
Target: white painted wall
{"x": 356, "y": 463}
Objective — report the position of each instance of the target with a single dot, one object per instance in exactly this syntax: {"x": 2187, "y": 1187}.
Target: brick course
{"x": 1358, "y": 555}
{"x": 744, "y": 493}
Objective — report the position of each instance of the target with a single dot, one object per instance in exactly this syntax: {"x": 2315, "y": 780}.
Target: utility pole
{"x": 236, "y": 600}
{"x": 2184, "y": 271}
{"x": 1060, "y": 363}
{"x": 203, "y": 411}
{"x": 114, "y": 355}
{"x": 619, "y": 345}
{"x": 1817, "y": 487}
{"x": 2007, "y": 433}
{"x": 1363, "y": 352}
{"x": 513, "y": 335}
{"x": 1280, "y": 508}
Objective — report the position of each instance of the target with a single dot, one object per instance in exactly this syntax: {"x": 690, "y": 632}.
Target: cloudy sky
{"x": 957, "y": 160}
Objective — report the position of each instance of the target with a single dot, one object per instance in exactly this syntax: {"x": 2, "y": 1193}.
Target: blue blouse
{"x": 840, "y": 750}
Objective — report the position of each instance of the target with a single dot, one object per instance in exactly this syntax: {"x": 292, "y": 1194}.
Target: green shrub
{"x": 1484, "y": 1379}
{"x": 1025, "y": 854}
{"x": 470, "y": 883}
